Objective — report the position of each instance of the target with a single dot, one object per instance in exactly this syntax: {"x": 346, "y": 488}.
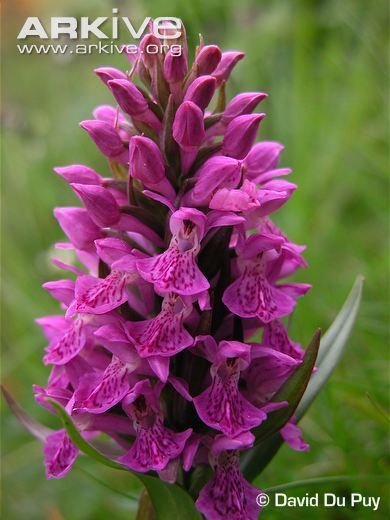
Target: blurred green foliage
{"x": 324, "y": 65}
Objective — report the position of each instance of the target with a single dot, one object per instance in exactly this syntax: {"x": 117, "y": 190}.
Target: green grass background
{"x": 324, "y": 64}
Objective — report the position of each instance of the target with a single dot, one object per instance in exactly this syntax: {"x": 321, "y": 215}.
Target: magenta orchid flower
{"x": 222, "y": 406}
{"x": 154, "y": 445}
{"x": 228, "y": 494}
{"x": 176, "y": 270}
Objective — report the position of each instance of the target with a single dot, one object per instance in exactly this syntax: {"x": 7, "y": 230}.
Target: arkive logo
{"x": 102, "y": 27}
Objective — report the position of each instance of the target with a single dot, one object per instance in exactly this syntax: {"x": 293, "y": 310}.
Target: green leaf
{"x": 255, "y": 460}
{"x": 291, "y": 391}
{"x": 107, "y": 486}
{"x": 36, "y": 429}
{"x": 268, "y": 440}
{"x": 169, "y": 500}
{"x": 332, "y": 346}
{"x": 331, "y": 349}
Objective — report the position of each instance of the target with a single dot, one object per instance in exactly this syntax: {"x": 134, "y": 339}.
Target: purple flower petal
{"x": 67, "y": 346}
{"x": 228, "y": 61}
{"x": 101, "y": 295}
{"x": 113, "y": 387}
{"x": 60, "y": 453}
{"x": 165, "y": 334}
{"x": 292, "y": 435}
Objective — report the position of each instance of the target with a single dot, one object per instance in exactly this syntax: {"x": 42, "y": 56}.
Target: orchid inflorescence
{"x": 181, "y": 269}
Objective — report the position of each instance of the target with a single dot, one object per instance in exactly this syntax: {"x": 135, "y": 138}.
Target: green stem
{"x": 145, "y": 507}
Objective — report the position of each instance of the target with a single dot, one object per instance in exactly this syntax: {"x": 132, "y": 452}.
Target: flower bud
{"x": 107, "y": 113}
{"x": 100, "y": 204}
{"x": 106, "y": 139}
{"x": 188, "y": 132}
{"x": 262, "y": 158}
{"x": 129, "y": 98}
{"x": 228, "y": 62}
{"x": 108, "y": 73}
{"x": 149, "y": 42}
{"x": 208, "y": 59}
{"x": 131, "y": 101}
{"x": 77, "y": 226}
{"x": 146, "y": 161}
{"x": 78, "y": 173}
{"x": 242, "y": 104}
{"x": 180, "y": 41}
{"x": 201, "y": 91}
{"x": 188, "y": 128}
{"x": 175, "y": 67}
{"x": 174, "y": 71}
{"x": 150, "y": 69}
{"x": 240, "y": 135}
{"x": 115, "y": 118}
{"x": 147, "y": 165}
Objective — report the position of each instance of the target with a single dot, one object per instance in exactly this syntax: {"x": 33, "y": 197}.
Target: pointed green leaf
{"x": 268, "y": 440}
{"x": 36, "y": 429}
{"x": 347, "y": 313}
{"x": 332, "y": 346}
{"x": 331, "y": 349}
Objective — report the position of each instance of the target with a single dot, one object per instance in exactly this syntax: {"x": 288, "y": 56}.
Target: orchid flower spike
{"x": 179, "y": 264}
